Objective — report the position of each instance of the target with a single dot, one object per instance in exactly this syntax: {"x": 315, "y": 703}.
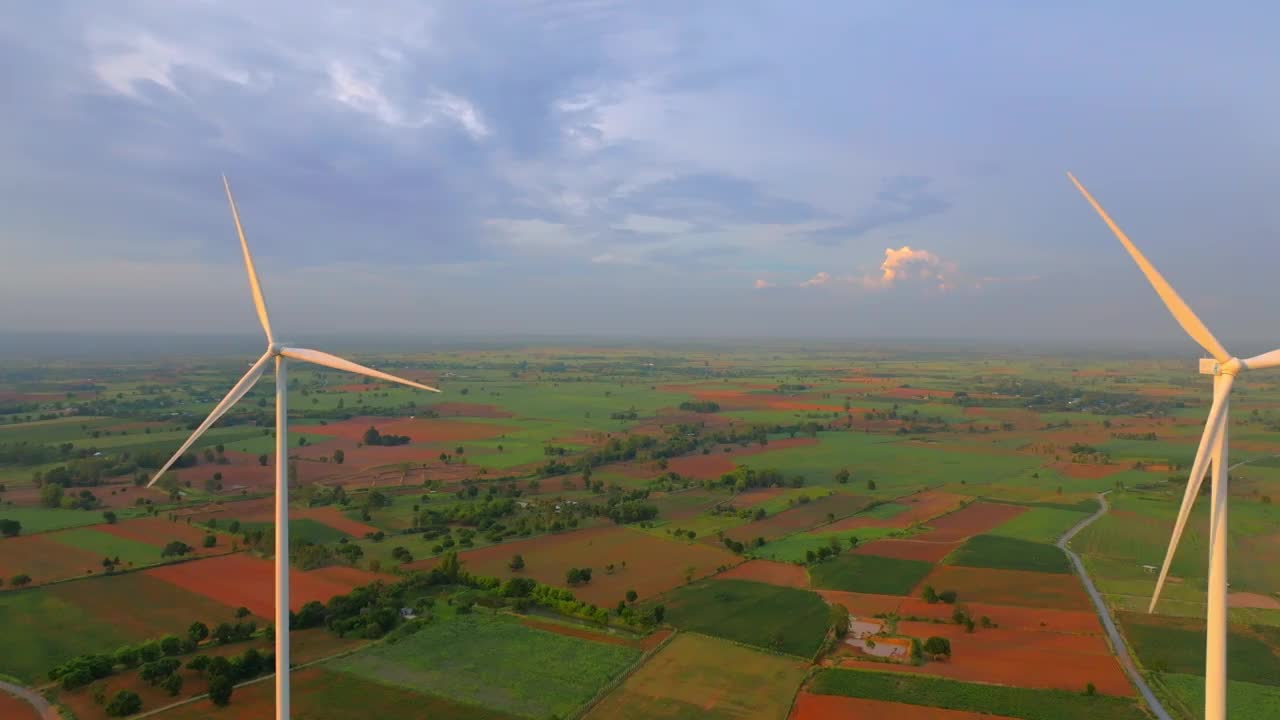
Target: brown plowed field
{"x": 581, "y": 632}
{"x": 1010, "y": 587}
{"x": 44, "y": 559}
{"x": 712, "y": 466}
{"x": 973, "y": 519}
{"x": 334, "y": 518}
{"x": 241, "y": 580}
{"x": 653, "y": 565}
{"x": 1084, "y": 471}
{"x": 768, "y": 571}
{"x": 1008, "y": 617}
{"x": 908, "y": 549}
{"x": 920, "y": 507}
{"x": 862, "y": 603}
{"x": 829, "y": 707}
{"x": 1025, "y": 658}
{"x": 798, "y": 517}
{"x": 157, "y": 532}
{"x": 13, "y": 708}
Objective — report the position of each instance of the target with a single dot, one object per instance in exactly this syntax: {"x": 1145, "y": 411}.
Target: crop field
{"x": 869, "y": 574}
{"x": 696, "y": 676}
{"x": 997, "y": 551}
{"x": 767, "y": 616}
{"x": 925, "y": 550}
{"x": 794, "y": 548}
{"x": 15, "y": 708}
{"x": 647, "y": 564}
{"x": 1177, "y": 646}
{"x": 1054, "y": 591}
{"x": 767, "y": 571}
{"x": 972, "y": 519}
{"x": 482, "y": 660}
{"x": 1244, "y": 699}
{"x": 36, "y": 520}
{"x": 243, "y": 581}
{"x": 809, "y": 706}
{"x": 1039, "y": 524}
{"x": 972, "y": 697}
{"x": 44, "y": 560}
{"x": 303, "y": 530}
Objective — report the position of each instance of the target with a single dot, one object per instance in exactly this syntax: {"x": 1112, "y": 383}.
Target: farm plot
{"x": 157, "y": 532}
{"x": 37, "y": 520}
{"x": 1177, "y": 645}
{"x": 302, "y": 530}
{"x": 869, "y": 574}
{"x": 319, "y": 693}
{"x": 765, "y": 571}
{"x": 648, "y": 564}
{"x": 717, "y": 463}
{"x": 919, "y": 506}
{"x": 796, "y": 548}
{"x": 240, "y": 580}
{"x": 44, "y": 560}
{"x": 1039, "y": 524}
{"x": 1059, "y": 591}
{"x": 803, "y": 516}
{"x": 1246, "y": 700}
{"x": 996, "y": 551}
{"x": 924, "y": 550}
{"x": 485, "y": 660}
{"x": 972, "y": 697}
{"x": 822, "y": 707}
{"x": 418, "y": 430}
{"x": 972, "y": 519}
{"x": 863, "y": 603}
{"x": 696, "y": 676}
{"x": 1007, "y": 617}
{"x": 778, "y": 618}
{"x": 1024, "y": 658}
{"x": 90, "y": 540}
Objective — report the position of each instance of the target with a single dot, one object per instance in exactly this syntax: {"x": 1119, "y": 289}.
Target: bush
{"x": 126, "y": 702}
{"x": 220, "y": 687}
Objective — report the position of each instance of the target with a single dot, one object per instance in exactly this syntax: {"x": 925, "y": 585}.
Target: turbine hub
{"x": 275, "y": 348}
{"x": 1231, "y": 367}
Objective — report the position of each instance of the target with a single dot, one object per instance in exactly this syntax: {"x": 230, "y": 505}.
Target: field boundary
{"x": 115, "y": 573}
{"x": 614, "y": 684}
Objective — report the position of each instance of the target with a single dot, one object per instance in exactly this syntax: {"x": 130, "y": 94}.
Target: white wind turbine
{"x": 278, "y": 352}
{"x": 1224, "y": 368}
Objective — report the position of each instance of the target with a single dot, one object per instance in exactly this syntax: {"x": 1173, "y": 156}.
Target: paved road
{"x": 1117, "y": 642}
{"x": 36, "y": 700}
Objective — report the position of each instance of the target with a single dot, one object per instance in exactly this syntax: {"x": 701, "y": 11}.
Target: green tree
{"x": 51, "y": 495}
{"x": 842, "y": 477}
{"x": 871, "y": 484}
{"x": 516, "y": 563}
{"x": 10, "y": 528}
{"x": 126, "y": 702}
{"x": 632, "y": 595}
{"x": 929, "y": 595}
{"x": 262, "y": 459}
{"x": 938, "y": 647}
{"x": 210, "y": 540}
{"x": 339, "y": 456}
{"x": 109, "y": 516}
{"x": 20, "y": 580}
{"x": 198, "y": 631}
{"x": 220, "y": 688}
{"x": 172, "y": 684}
{"x": 838, "y": 620}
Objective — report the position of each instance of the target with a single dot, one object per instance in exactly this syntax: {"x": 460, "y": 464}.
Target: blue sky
{"x": 818, "y": 169}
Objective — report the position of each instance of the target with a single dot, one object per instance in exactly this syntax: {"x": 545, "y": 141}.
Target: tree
{"x": 1089, "y": 689}
{"x": 842, "y": 477}
{"x": 871, "y": 484}
{"x": 220, "y": 690}
{"x": 948, "y": 597}
{"x": 170, "y": 645}
{"x": 51, "y": 495}
{"x": 199, "y": 663}
{"x": 109, "y": 516}
{"x": 339, "y": 456}
{"x": 20, "y": 580}
{"x": 10, "y": 528}
{"x": 838, "y": 620}
{"x": 242, "y": 612}
{"x": 126, "y": 702}
{"x": 198, "y": 631}
{"x": 929, "y": 595}
{"x": 176, "y": 548}
{"x": 210, "y": 540}
{"x": 172, "y": 684}
{"x": 262, "y": 459}
{"x": 516, "y": 563}
{"x": 632, "y": 595}
{"x": 938, "y": 647}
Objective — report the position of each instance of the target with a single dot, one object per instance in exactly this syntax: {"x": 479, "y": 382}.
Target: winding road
{"x": 35, "y": 699}
{"x": 1117, "y": 642}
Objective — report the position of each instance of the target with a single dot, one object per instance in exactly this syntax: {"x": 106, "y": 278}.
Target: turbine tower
{"x": 1224, "y": 368}
{"x": 280, "y": 353}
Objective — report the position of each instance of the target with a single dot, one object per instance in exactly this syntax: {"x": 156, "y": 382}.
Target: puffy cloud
{"x": 821, "y": 278}
{"x": 907, "y": 263}
{"x": 761, "y": 284}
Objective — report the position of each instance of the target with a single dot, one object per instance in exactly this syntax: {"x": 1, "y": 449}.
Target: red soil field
{"x": 768, "y": 571}
{"x": 1008, "y": 617}
{"x": 12, "y": 708}
{"x": 157, "y": 532}
{"x": 257, "y": 510}
{"x": 752, "y": 498}
{"x": 1010, "y": 587}
{"x": 653, "y": 565}
{"x": 826, "y": 707}
{"x": 798, "y": 517}
{"x": 862, "y": 603}
{"x": 578, "y": 632}
{"x": 334, "y": 518}
{"x": 908, "y": 549}
{"x": 1025, "y": 658}
{"x": 973, "y": 519}
{"x": 1084, "y": 471}
{"x": 44, "y": 559}
{"x": 710, "y": 467}
{"x": 920, "y": 507}
{"x": 240, "y": 579}
{"x": 419, "y": 430}
{"x": 1252, "y": 600}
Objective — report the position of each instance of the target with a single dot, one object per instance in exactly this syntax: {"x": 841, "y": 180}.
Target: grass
{"x": 696, "y": 677}
{"x": 793, "y": 547}
{"x": 36, "y": 520}
{"x": 1006, "y": 553}
{"x": 300, "y": 529}
{"x": 869, "y": 574}
{"x": 1246, "y": 700}
{"x": 1165, "y": 647}
{"x": 767, "y": 616}
{"x": 973, "y": 697}
{"x": 107, "y": 545}
{"x": 45, "y": 629}
{"x": 1040, "y": 524}
{"x": 494, "y": 662}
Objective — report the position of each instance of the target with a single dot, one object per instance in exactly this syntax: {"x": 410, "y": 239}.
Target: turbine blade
{"x": 1212, "y": 429}
{"x": 1180, "y": 310}
{"x": 1265, "y": 360}
{"x": 237, "y": 391}
{"x": 337, "y": 363}
{"x": 255, "y": 287}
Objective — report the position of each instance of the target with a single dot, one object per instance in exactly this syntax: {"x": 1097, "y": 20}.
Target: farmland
{"x": 597, "y": 500}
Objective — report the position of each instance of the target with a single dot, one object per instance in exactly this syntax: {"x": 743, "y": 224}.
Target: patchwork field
{"x": 1006, "y": 553}
{"x": 869, "y": 574}
{"x": 766, "y": 616}
{"x": 1054, "y": 591}
{"x": 696, "y": 676}
{"x": 243, "y": 581}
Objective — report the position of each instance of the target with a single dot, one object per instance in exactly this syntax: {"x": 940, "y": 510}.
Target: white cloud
{"x": 363, "y": 92}
{"x": 822, "y": 278}
{"x": 761, "y": 284}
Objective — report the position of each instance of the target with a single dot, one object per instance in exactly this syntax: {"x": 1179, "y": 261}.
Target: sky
{"x": 828, "y": 170}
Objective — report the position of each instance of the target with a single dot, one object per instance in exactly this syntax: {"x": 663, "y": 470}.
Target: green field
{"x": 301, "y": 530}
{"x": 696, "y": 677}
{"x": 128, "y": 551}
{"x": 973, "y": 697}
{"x": 1165, "y": 648}
{"x": 1244, "y": 699}
{"x": 793, "y": 547}
{"x": 494, "y": 662}
{"x": 36, "y": 520}
{"x": 49, "y": 630}
{"x": 767, "y": 616}
{"x": 1040, "y": 524}
{"x": 1006, "y": 553}
{"x": 869, "y": 574}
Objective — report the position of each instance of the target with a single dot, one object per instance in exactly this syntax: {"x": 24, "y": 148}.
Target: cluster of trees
{"x": 738, "y": 547}
{"x": 933, "y": 597}
{"x": 700, "y": 406}
{"x": 830, "y": 550}
{"x": 10, "y": 528}
{"x": 373, "y": 437}
{"x": 743, "y": 478}
{"x": 577, "y": 576}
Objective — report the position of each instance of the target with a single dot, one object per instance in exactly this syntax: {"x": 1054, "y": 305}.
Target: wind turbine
{"x": 1224, "y": 368}
{"x": 280, "y": 353}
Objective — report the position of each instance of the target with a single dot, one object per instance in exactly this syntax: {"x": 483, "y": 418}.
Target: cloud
{"x": 761, "y": 284}
{"x": 908, "y": 265}
{"x": 822, "y": 278}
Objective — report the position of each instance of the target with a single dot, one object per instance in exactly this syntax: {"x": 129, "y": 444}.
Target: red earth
{"x": 712, "y": 466}
{"x": 241, "y": 580}
{"x": 826, "y": 707}
{"x": 44, "y": 559}
{"x": 920, "y": 507}
{"x": 862, "y": 603}
{"x": 157, "y": 532}
{"x": 1060, "y": 591}
{"x": 908, "y": 549}
{"x": 1008, "y": 617}
{"x": 768, "y": 571}
{"x": 592, "y": 635}
{"x": 800, "y": 516}
{"x": 461, "y": 409}
{"x": 13, "y": 708}
{"x": 1024, "y": 658}
{"x": 973, "y": 519}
